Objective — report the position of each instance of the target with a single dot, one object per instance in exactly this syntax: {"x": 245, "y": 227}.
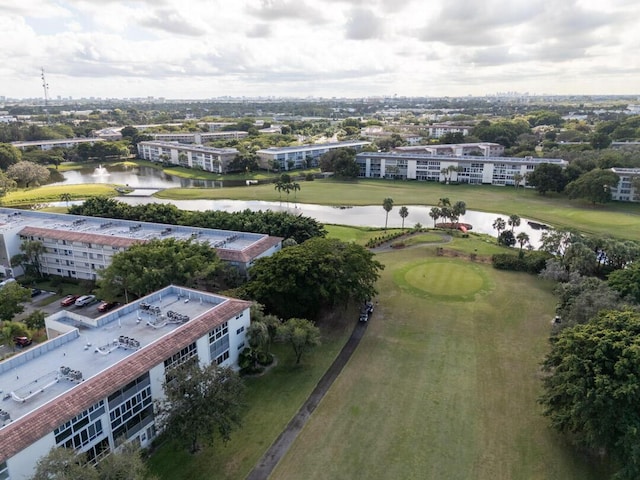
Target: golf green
{"x": 445, "y": 280}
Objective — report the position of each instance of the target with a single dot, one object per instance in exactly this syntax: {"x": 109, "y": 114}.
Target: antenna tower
{"x": 45, "y": 86}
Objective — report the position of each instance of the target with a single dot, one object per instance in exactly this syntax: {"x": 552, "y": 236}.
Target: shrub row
{"x": 531, "y": 262}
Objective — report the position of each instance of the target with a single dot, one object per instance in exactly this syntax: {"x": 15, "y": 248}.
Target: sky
{"x": 193, "y": 49}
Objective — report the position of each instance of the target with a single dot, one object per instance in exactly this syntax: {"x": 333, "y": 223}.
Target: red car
{"x": 106, "y": 306}
{"x": 69, "y": 300}
{"x": 22, "y": 341}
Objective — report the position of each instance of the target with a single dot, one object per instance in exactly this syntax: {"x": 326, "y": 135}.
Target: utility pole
{"x": 45, "y": 86}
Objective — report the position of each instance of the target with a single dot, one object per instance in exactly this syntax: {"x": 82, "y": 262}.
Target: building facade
{"x": 628, "y": 188}
{"x": 198, "y": 138}
{"x": 51, "y": 144}
{"x": 483, "y": 149}
{"x": 440, "y": 168}
{"x": 301, "y": 156}
{"x": 209, "y": 159}
{"x": 78, "y": 246}
{"x": 437, "y": 131}
{"x": 94, "y": 382}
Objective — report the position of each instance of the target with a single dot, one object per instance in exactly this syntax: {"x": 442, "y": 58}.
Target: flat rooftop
{"x": 86, "y": 347}
{"x": 82, "y": 228}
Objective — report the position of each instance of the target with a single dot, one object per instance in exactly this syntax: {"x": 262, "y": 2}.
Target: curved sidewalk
{"x": 277, "y": 450}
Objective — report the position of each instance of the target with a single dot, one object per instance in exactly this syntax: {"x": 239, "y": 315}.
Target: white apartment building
{"x": 485, "y": 149}
{"x": 93, "y": 383}
{"x": 51, "y": 144}
{"x": 198, "y": 137}
{"x": 625, "y": 190}
{"x": 300, "y": 156}
{"x": 78, "y": 246}
{"x": 437, "y": 131}
{"x": 440, "y": 168}
{"x": 209, "y": 159}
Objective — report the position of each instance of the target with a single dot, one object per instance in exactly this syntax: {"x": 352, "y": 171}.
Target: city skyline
{"x": 331, "y": 48}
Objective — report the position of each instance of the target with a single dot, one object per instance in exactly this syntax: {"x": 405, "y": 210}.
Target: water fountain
{"x": 100, "y": 171}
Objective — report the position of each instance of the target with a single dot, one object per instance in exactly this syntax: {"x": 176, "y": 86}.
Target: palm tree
{"x": 65, "y": 197}
{"x": 404, "y": 213}
{"x": 279, "y": 187}
{"x": 387, "y": 204}
{"x": 522, "y": 238}
{"x": 295, "y": 186}
{"x": 499, "y": 224}
{"x": 435, "y": 213}
{"x": 514, "y": 221}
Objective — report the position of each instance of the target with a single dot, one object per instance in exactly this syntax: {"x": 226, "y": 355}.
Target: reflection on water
{"x": 367, "y": 216}
{"x": 135, "y": 177}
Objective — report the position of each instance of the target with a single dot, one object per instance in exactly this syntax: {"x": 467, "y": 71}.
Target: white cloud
{"x": 204, "y": 48}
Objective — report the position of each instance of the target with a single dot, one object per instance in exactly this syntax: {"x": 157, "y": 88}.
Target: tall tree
{"x": 146, "y": 267}
{"x": 387, "y": 205}
{"x": 594, "y": 186}
{"x": 626, "y": 281}
{"x": 6, "y": 184}
{"x": 12, "y": 295}
{"x": 592, "y": 391}
{"x": 499, "y": 225}
{"x": 33, "y": 250}
{"x": 404, "y": 213}
{"x": 9, "y": 155}
{"x": 301, "y": 334}
{"x": 547, "y": 177}
{"x": 201, "y": 401}
{"x": 435, "y": 213}
{"x": 64, "y": 464}
{"x": 28, "y": 173}
{"x": 514, "y": 221}
{"x": 301, "y": 280}
{"x": 523, "y": 239}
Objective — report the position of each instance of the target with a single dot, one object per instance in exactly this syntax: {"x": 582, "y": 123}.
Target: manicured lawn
{"x": 272, "y": 400}
{"x": 52, "y": 194}
{"x": 359, "y": 235}
{"x": 427, "y": 237}
{"x": 619, "y": 219}
{"x": 441, "y": 389}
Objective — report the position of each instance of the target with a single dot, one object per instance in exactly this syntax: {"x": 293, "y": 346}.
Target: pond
{"x": 366, "y": 216}
{"x": 138, "y": 177}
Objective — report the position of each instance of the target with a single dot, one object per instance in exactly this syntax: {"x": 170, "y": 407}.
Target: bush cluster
{"x": 531, "y": 262}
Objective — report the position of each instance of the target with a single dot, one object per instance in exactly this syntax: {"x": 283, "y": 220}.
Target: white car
{"x": 85, "y": 300}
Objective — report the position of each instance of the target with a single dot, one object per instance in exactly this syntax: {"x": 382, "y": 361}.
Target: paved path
{"x": 277, "y": 450}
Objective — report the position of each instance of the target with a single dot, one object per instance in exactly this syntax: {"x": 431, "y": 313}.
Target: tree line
{"x": 279, "y": 224}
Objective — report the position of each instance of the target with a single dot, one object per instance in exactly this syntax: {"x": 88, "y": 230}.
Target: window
{"x": 240, "y": 330}
{"x": 181, "y": 357}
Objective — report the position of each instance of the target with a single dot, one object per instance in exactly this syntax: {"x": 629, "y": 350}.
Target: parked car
{"x": 35, "y": 292}
{"x": 69, "y": 300}
{"x": 22, "y": 341}
{"x": 106, "y": 306}
{"x": 85, "y": 300}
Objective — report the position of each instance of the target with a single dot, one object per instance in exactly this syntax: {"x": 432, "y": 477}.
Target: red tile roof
{"x": 111, "y": 240}
{"x": 23, "y": 432}
{"x": 254, "y": 250}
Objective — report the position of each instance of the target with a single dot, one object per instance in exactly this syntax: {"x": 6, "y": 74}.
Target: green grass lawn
{"x": 272, "y": 400}
{"x": 620, "y": 219}
{"x": 359, "y": 235}
{"x": 441, "y": 389}
{"x": 52, "y": 194}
